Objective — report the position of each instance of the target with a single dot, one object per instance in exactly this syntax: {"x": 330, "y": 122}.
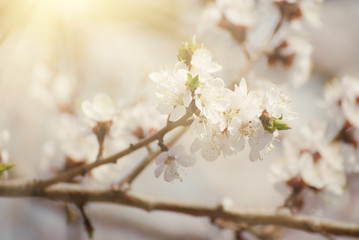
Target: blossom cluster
{"x": 224, "y": 120}
{"x": 288, "y": 55}
{"x": 310, "y": 161}
{"x": 341, "y": 100}
{"x": 315, "y": 158}
{"x": 102, "y": 130}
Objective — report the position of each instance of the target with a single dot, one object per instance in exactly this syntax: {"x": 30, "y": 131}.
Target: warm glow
{"x": 66, "y": 9}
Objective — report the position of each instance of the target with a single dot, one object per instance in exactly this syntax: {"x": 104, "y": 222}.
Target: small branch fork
{"x": 40, "y": 185}
{"x": 82, "y": 195}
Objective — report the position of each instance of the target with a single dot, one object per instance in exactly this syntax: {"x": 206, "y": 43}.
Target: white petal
{"x": 160, "y": 159}
{"x": 254, "y": 155}
{"x": 186, "y": 160}
{"x": 239, "y": 144}
{"x": 157, "y": 77}
{"x": 159, "y": 170}
{"x": 187, "y": 98}
{"x": 170, "y": 174}
{"x": 196, "y": 145}
{"x": 243, "y": 89}
{"x": 210, "y": 152}
{"x": 87, "y": 109}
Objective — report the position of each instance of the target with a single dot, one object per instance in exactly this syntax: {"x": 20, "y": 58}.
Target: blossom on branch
{"x": 169, "y": 161}
{"x": 172, "y": 91}
{"x": 101, "y": 109}
{"x": 224, "y": 120}
{"x": 311, "y": 161}
{"x": 341, "y": 100}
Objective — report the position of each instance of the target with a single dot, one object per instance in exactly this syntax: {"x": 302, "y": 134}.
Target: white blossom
{"x": 261, "y": 142}
{"x": 173, "y": 95}
{"x": 309, "y": 156}
{"x": 299, "y": 12}
{"x": 54, "y": 90}
{"x": 169, "y": 162}
{"x": 341, "y": 100}
{"x": 237, "y": 12}
{"x": 101, "y": 109}
{"x": 210, "y": 140}
{"x": 278, "y": 105}
{"x": 211, "y": 100}
{"x": 75, "y": 139}
{"x": 202, "y": 64}
{"x": 137, "y": 122}
{"x": 240, "y": 116}
{"x": 289, "y": 59}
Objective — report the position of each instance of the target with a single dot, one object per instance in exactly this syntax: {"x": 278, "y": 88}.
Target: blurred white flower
{"x": 76, "y": 140}
{"x": 350, "y": 154}
{"x": 350, "y": 99}
{"x": 310, "y": 157}
{"x": 290, "y": 59}
{"x": 202, "y": 64}
{"x": 169, "y": 162}
{"x": 341, "y": 100}
{"x": 294, "y": 10}
{"x": 237, "y": 12}
{"x": 101, "y": 109}
{"x": 56, "y": 91}
{"x": 137, "y": 122}
{"x": 108, "y": 174}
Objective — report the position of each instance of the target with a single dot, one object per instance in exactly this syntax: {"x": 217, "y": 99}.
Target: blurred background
{"x": 111, "y": 46}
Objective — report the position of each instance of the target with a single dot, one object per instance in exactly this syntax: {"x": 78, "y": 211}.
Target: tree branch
{"x": 81, "y": 170}
{"x": 81, "y": 195}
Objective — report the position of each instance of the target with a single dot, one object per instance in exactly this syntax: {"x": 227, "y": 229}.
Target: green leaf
{"x": 6, "y": 166}
{"x": 186, "y": 51}
{"x": 270, "y": 123}
{"x": 280, "y": 125}
{"x": 192, "y": 82}
{"x": 192, "y": 44}
{"x": 269, "y": 127}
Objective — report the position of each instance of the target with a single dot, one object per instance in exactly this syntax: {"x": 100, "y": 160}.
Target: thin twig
{"x": 81, "y": 170}
{"x": 87, "y": 222}
{"x": 138, "y": 170}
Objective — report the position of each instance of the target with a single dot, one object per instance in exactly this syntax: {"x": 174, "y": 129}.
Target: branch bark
{"x": 82, "y": 195}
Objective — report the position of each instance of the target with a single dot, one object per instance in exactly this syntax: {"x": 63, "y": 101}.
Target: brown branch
{"x": 81, "y": 195}
{"x": 81, "y": 170}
